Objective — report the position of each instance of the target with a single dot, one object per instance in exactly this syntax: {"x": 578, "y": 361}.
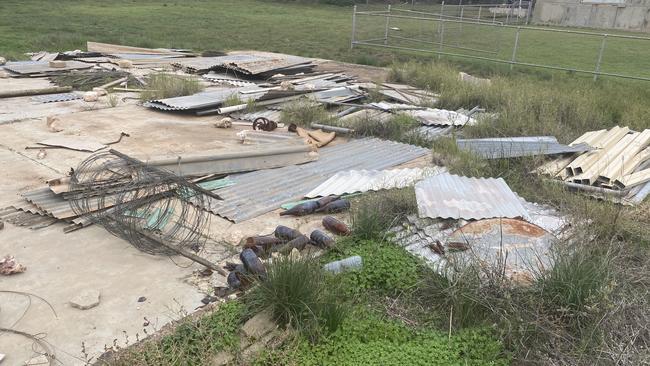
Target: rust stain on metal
{"x": 509, "y": 226}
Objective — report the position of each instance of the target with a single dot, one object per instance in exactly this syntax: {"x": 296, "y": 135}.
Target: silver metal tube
{"x": 336, "y": 129}
{"x": 514, "y": 49}
{"x": 530, "y": 8}
{"x": 600, "y": 56}
{"x": 479, "y": 13}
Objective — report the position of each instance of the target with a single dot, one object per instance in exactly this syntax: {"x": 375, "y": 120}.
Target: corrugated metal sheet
{"x": 352, "y": 181}
{"x": 245, "y": 63}
{"x": 44, "y": 67}
{"x": 272, "y": 115}
{"x": 202, "y": 100}
{"x": 452, "y": 196}
{"x": 512, "y": 147}
{"x": 52, "y": 98}
{"x": 433, "y": 132}
{"x": 49, "y": 202}
{"x": 440, "y": 117}
{"x": 227, "y": 79}
{"x": 262, "y": 191}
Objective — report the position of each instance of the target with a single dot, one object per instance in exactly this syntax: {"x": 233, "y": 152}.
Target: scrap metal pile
{"x": 163, "y": 204}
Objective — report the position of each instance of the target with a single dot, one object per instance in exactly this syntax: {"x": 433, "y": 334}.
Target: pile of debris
{"x": 616, "y": 167}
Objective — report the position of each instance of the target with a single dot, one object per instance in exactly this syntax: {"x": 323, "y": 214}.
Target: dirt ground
{"x": 61, "y": 266}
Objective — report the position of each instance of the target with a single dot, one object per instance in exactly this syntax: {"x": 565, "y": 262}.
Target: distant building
{"x": 631, "y": 15}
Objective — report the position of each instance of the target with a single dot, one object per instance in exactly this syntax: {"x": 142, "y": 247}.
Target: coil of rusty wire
{"x": 144, "y": 205}
{"x": 264, "y": 124}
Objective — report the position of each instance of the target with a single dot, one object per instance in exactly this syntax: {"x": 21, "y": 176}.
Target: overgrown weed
{"x": 164, "y": 85}
{"x": 297, "y": 294}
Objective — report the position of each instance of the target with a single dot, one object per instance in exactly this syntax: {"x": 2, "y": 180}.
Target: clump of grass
{"x": 397, "y": 127}
{"x": 375, "y": 213}
{"x": 233, "y": 99}
{"x": 304, "y": 112}
{"x": 193, "y": 341}
{"x": 112, "y": 100}
{"x": 298, "y": 295}
{"x": 564, "y": 107}
{"x": 163, "y": 85}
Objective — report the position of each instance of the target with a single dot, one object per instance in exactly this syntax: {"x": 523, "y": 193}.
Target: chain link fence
{"x": 500, "y": 34}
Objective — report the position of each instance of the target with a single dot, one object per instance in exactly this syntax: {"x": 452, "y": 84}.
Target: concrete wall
{"x": 628, "y": 14}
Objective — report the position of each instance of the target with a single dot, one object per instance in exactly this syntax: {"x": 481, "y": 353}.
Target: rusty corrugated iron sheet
{"x": 455, "y": 197}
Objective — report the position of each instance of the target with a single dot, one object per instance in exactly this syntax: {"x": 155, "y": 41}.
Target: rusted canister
{"x": 337, "y": 227}
{"x": 298, "y": 243}
{"x": 321, "y": 239}
{"x": 301, "y": 209}
{"x": 252, "y": 263}
{"x": 286, "y": 233}
{"x": 263, "y": 241}
{"x": 233, "y": 280}
{"x": 326, "y": 200}
{"x": 336, "y": 206}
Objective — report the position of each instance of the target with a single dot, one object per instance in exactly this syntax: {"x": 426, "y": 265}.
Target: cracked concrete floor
{"x": 60, "y": 266}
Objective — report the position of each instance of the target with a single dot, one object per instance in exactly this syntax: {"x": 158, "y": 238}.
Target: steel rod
{"x": 600, "y": 56}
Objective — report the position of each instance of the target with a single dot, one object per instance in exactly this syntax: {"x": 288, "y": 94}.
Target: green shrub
{"x": 375, "y": 213}
{"x": 296, "y": 292}
{"x": 303, "y": 112}
{"x": 162, "y": 85}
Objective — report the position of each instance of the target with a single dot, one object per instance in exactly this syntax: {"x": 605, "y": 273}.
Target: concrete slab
{"x": 60, "y": 266}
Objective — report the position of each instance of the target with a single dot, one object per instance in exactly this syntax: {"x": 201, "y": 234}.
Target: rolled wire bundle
{"x": 154, "y": 209}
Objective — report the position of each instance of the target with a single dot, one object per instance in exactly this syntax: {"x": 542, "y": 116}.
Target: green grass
{"x": 367, "y": 338}
{"x": 163, "y": 85}
{"x": 190, "y": 342}
{"x": 307, "y": 29}
{"x": 296, "y": 292}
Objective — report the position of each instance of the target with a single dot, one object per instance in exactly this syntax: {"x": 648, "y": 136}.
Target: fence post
{"x": 530, "y": 9}
{"x": 518, "y": 11}
{"x": 494, "y": 15}
{"x": 479, "y": 12}
{"x": 387, "y": 24}
{"x": 460, "y": 28}
{"x": 600, "y": 56}
{"x": 354, "y": 25}
{"x": 508, "y": 13}
{"x": 514, "y": 49}
{"x": 442, "y": 29}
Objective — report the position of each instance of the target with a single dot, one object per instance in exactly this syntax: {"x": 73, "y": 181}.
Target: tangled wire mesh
{"x": 152, "y": 208}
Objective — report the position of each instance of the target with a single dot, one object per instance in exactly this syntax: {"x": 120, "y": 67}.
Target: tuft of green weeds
{"x": 233, "y": 99}
{"x": 193, "y": 341}
{"x": 367, "y": 338}
{"x": 163, "y": 85}
{"x": 375, "y": 213}
{"x": 298, "y": 295}
{"x": 304, "y": 112}
{"x": 387, "y": 269}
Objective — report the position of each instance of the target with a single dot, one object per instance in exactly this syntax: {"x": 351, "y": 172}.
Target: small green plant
{"x": 366, "y": 338}
{"x": 387, "y": 268}
{"x": 194, "y": 341}
{"x": 375, "y": 213}
{"x": 232, "y": 100}
{"x": 304, "y": 112}
{"x": 112, "y": 100}
{"x": 163, "y": 85}
{"x": 296, "y": 292}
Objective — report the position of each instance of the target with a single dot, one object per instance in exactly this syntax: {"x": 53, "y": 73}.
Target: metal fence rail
{"x": 473, "y": 34}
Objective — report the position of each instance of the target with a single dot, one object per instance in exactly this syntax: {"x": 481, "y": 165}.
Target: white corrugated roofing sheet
{"x": 452, "y": 196}
{"x": 352, "y": 181}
